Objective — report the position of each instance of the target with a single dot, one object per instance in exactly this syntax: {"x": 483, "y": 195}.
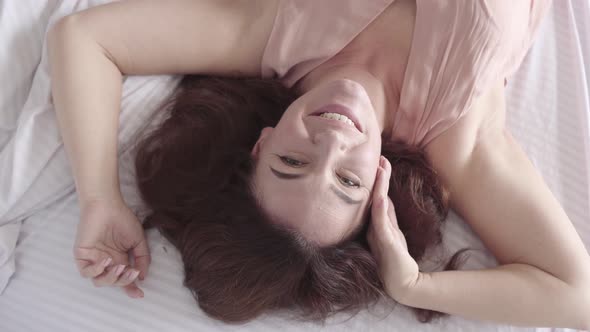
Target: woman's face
{"x": 315, "y": 172}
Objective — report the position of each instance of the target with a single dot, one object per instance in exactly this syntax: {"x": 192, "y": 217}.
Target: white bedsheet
{"x": 548, "y": 113}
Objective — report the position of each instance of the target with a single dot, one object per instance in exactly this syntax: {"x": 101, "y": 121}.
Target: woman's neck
{"x": 376, "y": 58}
{"x": 339, "y": 67}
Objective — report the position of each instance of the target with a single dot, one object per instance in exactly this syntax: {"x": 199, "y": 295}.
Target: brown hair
{"x": 194, "y": 173}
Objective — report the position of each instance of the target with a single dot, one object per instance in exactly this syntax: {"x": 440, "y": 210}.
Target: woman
{"x": 428, "y": 74}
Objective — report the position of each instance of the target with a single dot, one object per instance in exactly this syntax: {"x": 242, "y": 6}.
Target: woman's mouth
{"x": 339, "y": 117}
{"x": 339, "y": 113}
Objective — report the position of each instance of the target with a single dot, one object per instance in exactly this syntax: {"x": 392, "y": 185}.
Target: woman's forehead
{"x": 309, "y": 206}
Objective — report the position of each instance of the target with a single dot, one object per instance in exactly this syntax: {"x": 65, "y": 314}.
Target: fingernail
{"x": 139, "y": 293}
{"x": 119, "y": 270}
{"x": 107, "y": 261}
{"x": 133, "y": 275}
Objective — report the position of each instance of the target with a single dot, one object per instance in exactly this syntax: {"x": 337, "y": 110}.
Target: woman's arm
{"x": 90, "y": 50}
{"x": 544, "y": 277}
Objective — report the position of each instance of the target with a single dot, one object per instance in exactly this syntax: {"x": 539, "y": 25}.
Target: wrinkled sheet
{"x": 548, "y": 113}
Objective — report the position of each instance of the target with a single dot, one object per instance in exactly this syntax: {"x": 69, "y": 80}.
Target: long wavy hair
{"x": 194, "y": 173}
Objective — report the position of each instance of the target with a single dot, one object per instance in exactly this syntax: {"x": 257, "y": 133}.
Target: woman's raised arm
{"x": 544, "y": 273}
{"x": 91, "y": 49}
{"x": 88, "y": 53}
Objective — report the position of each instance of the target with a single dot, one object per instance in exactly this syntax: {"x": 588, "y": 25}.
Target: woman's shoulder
{"x": 460, "y": 49}
{"x": 486, "y": 117}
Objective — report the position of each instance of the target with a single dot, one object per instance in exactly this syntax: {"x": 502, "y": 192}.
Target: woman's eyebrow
{"x": 343, "y": 196}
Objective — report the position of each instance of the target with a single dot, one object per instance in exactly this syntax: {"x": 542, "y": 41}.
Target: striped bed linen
{"x": 548, "y": 113}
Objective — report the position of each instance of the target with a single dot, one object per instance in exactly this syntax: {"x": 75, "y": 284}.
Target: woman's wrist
{"x": 104, "y": 196}
{"x": 407, "y": 295}
{"x": 98, "y": 186}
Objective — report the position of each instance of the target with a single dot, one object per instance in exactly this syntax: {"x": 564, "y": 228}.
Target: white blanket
{"x": 548, "y": 113}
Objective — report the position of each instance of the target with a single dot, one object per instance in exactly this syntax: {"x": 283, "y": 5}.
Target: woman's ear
{"x": 263, "y": 135}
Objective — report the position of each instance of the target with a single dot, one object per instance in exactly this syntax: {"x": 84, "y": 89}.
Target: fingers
{"x": 142, "y": 259}
{"x": 91, "y": 270}
{"x": 109, "y": 277}
{"x": 133, "y": 291}
{"x": 127, "y": 277}
{"x": 92, "y": 255}
{"x": 373, "y": 245}
{"x": 127, "y": 281}
{"x": 391, "y": 213}
{"x": 379, "y": 209}
{"x": 382, "y": 181}
{"x": 120, "y": 276}
{"x": 141, "y": 255}
{"x": 379, "y": 214}
{"x": 91, "y": 262}
{"x": 116, "y": 275}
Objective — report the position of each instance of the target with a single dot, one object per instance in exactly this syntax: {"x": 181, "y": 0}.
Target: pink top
{"x": 459, "y": 48}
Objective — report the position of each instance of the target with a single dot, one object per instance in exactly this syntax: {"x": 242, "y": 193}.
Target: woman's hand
{"x": 399, "y": 271}
{"x": 107, "y": 231}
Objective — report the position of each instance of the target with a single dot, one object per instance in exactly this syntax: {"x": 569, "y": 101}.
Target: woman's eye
{"x": 292, "y": 162}
{"x": 348, "y": 182}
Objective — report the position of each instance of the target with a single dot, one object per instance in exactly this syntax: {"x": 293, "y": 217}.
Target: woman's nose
{"x": 330, "y": 139}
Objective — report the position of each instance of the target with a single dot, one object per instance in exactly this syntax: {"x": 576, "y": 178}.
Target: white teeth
{"x": 339, "y": 117}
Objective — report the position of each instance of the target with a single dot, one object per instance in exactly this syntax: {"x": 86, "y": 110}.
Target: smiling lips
{"x": 339, "y": 113}
{"x": 339, "y": 117}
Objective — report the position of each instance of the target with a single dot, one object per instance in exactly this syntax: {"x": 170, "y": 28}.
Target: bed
{"x": 548, "y": 113}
